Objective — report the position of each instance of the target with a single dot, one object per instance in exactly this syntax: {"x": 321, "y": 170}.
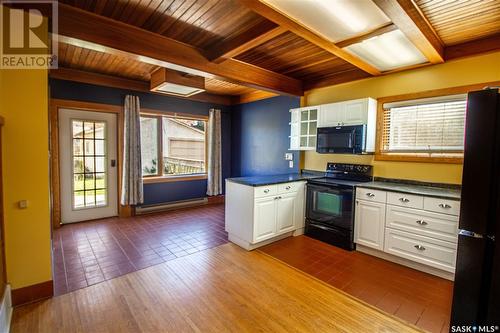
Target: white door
{"x": 369, "y": 224}
{"x": 356, "y": 112}
{"x": 286, "y": 212}
{"x": 88, "y": 171}
{"x": 265, "y": 218}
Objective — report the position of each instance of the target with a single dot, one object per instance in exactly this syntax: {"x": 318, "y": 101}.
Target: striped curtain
{"x": 214, "y": 153}
{"x": 132, "y": 190}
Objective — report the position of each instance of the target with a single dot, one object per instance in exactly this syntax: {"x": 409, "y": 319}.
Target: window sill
{"x": 417, "y": 158}
{"x": 169, "y": 179}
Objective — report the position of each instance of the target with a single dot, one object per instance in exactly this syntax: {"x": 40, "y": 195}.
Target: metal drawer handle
{"x": 266, "y": 191}
{"x": 369, "y": 194}
{"x": 421, "y": 222}
{"x": 288, "y": 187}
{"x": 446, "y": 206}
{"x": 420, "y": 247}
{"x": 404, "y": 200}
{"x": 276, "y": 198}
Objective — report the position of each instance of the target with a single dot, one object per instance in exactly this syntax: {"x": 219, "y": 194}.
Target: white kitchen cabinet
{"x": 369, "y": 225}
{"x": 258, "y": 215}
{"x": 303, "y": 127}
{"x": 354, "y": 112}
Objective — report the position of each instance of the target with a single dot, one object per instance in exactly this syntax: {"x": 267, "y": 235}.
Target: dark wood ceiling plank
{"x": 122, "y": 83}
{"x": 484, "y": 45}
{"x": 302, "y": 31}
{"x": 375, "y": 32}
{"x": 342, "y": 77}
{"x": 249, "y": 40}
{"x": 410, "y": 20}
{"x": 81, "y": 27}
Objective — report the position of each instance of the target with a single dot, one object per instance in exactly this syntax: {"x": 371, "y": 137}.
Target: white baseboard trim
{"x": 6, "y": 311}
{"x": 405, "y": 262}
{"x": 249, "y": 246}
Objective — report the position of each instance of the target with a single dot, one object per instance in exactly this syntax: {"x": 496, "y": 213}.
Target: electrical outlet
{"x": 290, "y": 164}
{"x": 288, "y": 156}
{"x": 22, "y": 204}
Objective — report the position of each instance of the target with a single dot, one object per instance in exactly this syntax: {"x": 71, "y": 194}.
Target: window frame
{"x": 160, "y": 177}
{"x": 416, "y": 157}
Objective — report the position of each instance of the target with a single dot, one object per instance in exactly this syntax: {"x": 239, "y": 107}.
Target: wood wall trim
{"x": 172, "y": 179}
{"x": 32, "y": 293}
{"x": 410, "y": 20}
{"x": 475, "y": 47}
{"x": 82, "y": 26}
{"x": 300, "y": 30}
{"x": 241, "y": 44}
{"x": 69, "y": 74}
{"x": 379, "y": 156}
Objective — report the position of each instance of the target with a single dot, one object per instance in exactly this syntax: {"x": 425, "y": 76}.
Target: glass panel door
{"x": 89, "y": 164}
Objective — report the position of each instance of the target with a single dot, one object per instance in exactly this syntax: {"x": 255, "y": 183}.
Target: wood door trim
{"x": 55, "y": 182}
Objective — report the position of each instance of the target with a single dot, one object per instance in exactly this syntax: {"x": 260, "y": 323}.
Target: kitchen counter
{"x": 276, "y": 179}
{"x": 427, "y": 190}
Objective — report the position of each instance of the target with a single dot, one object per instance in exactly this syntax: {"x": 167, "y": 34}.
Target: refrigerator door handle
{"x": 468, "y": 233}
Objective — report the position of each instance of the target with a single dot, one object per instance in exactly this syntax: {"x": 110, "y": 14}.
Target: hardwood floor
{"x": 224, "y": 289}
{"x": 416, "y": 297}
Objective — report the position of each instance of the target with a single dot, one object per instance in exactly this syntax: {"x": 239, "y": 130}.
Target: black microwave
{"x": 341, "y": 140}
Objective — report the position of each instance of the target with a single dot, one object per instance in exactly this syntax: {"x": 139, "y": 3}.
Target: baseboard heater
{"x": 171, "y": 205}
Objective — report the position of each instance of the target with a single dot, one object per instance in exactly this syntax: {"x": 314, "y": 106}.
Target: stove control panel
{"x": 349, "y": 168}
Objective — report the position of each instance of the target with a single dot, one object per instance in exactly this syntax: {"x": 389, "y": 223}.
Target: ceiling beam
{"x": 250, "y": 39}
{"x": 85, "y": 27}
{"x": 374, "y": 33}
{"x": 474, "y": 47}
{"x": 69, "y": 74}
{"x": 412, "y": 22}
{"x": 337, "y": 78}
{"x": 297, "y": 28}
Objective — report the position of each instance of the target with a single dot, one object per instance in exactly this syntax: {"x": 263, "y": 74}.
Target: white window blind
{"x": 426, "y": 126}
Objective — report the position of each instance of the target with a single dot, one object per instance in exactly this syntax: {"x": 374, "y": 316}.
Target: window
{"x": 179, "y": 141}
{"x": 428, "y": 127}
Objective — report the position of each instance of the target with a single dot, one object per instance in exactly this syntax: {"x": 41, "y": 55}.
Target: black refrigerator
{"x": 476, "y": 292}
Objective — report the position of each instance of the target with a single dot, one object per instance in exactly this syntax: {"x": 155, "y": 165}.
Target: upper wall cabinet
{"x": 304, "y": 122}
{"x": 354, "y": 112}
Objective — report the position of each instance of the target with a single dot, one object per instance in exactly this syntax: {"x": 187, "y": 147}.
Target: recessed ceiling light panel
{"x": 170, "y": 82}
{"x": 388, "y": 51}
{"x": 335, "y": 20}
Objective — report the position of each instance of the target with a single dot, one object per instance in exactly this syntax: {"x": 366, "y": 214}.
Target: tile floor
{"x": 414, "y": 296}
{"x": 90, "y": 252}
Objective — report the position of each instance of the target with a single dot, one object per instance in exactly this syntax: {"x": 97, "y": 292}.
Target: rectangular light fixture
{"x": 170, "y": 82}
{"x": 335, "y": 20}
{"x": 388, "y": 51}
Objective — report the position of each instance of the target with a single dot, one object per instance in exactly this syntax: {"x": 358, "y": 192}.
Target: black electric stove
{"x": 330, "y": 203}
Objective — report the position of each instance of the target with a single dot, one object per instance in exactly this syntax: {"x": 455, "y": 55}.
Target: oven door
{"x": 330, "y": 205}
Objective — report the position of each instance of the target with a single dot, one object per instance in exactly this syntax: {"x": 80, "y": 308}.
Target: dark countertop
{"x": 431, "y": 191}
{"x": 275, "y": 179}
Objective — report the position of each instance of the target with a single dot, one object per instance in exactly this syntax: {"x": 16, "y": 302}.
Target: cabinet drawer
{"x": 264, "y": 191}
{"x": 370, "y": 195}
{"x": 445, "y": 206}
{"x": 289, "y": 187}
{"x": 405, "y": 200}
{"x": 420, "y": 222}
{"x": 425, "y": 250}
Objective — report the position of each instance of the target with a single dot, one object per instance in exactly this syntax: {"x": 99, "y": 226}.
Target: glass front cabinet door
{"x": 303, "y": 126}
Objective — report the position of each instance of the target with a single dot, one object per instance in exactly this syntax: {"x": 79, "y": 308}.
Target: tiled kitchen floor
{"x": 90, "y": 252}
{"x": 414, "y": 296}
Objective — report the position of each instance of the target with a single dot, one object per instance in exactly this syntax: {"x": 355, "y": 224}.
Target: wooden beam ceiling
{"x": 84, "y": 27}
{"x": 376, "y": 32}
{"x": 123, "y": 83}
{"x": 300, "y": 30}
{"x": 410, "y": 20}
{"x": 483, "y": 45}
{"x": 244, "y": 42}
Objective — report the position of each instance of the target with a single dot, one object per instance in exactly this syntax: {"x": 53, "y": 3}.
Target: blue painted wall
{"x": 160, "y": 192}
{"x": 260, "y": 140}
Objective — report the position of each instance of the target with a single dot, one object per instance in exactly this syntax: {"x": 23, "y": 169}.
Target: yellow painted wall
{"x": 485, "y": 68}
{"x": 24, "y": 105}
